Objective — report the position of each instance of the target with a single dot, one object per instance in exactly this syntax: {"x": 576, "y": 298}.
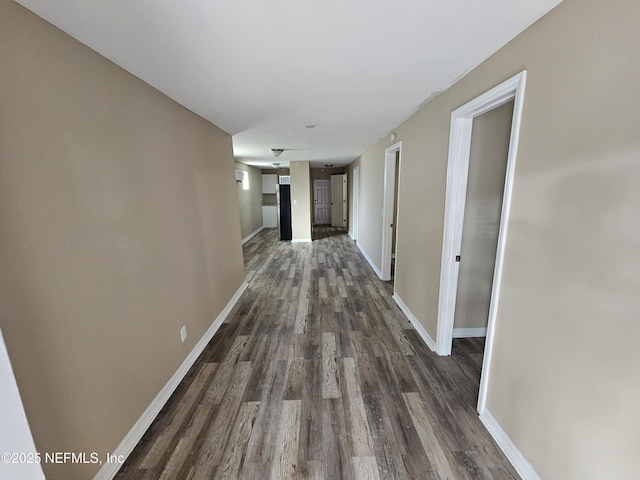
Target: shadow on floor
{"x": 326, "y": 231}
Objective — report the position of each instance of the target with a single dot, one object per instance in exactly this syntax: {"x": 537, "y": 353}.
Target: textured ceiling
{"x": 262, "y": 70}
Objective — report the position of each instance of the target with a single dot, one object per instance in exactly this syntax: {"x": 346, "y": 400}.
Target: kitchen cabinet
{"x": 269, "y": 216}
{"x": 269, "y": 182}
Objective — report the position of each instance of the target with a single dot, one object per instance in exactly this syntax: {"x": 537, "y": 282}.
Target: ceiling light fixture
{"x": 277, "y": 151}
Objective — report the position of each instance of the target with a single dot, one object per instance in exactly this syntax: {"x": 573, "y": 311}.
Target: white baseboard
{"x": 251, "y": 235}
{"x": 368, "y": 259}
{"x": 416, "y": 324}
{"x": 109, "y": 470}
{"x": 519, "y": 462}
{"x": 469, "y": 332}
{"x": 301, "y": 240}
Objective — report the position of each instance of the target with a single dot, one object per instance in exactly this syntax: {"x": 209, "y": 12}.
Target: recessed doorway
{"x": 392, "y": 161}
{"x": 462, "y": 119}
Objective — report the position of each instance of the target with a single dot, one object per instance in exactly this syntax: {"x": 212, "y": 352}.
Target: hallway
{"x": 317, "y": 374}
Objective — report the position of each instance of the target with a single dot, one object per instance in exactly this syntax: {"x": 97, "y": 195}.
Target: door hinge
{"x": 457, "y": 258}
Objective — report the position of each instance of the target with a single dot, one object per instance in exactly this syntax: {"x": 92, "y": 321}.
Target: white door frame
{"x": 387, "y": 207}
{"x": 17, "y": 437}
{"x": 354, "y": 200}
{"x": 457, "y": 172}
{"x": 345, "y": 203}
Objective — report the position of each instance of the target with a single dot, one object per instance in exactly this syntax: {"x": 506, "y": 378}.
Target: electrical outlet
{"x": 183, "y": 333}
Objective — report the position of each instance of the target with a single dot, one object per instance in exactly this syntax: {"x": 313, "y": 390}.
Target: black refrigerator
{"x": 283, "y": 195}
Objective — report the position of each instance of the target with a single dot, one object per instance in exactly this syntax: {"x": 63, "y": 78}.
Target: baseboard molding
{"x": 368, "y": 259}
{"x": 301, "y": 240}
{"x": 416, "y": 324}
{"x": 519, "y": 462}
{"x": 469, "y": 332}
{"x": 251, "y": 235}
{"x": 109, "y": 470}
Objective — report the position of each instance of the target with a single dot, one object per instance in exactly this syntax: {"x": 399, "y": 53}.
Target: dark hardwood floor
{"x": 317, "y": 374}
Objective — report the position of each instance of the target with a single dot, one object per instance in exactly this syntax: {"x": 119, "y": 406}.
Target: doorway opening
{"x": 462, "y": 119}
{"x": 355, "y": 203}
{"x": 392, "y": 160}
{"x": 330, "y": 202}
{"x": 394, "y": 233}
{"x": 485, "y": 189}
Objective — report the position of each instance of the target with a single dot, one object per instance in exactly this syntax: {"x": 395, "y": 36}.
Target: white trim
{"x": 251, "y": 235}
{"x": 387, "y": 207}
{"x": 457, "y": 171}
{"x": 301, "y": 240}
{"x": 469, "y": 332}
{"x": 355, "y": 189}
{"x": 515, "y": 456}
{"x": 109, "y": 470}
{"x": 16, "y": 435}
{"x": 416, "y": 324}
{"x": 368, "y": 259}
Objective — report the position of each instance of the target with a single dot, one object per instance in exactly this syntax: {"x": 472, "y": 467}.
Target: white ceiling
{"x": 264, "y": 69}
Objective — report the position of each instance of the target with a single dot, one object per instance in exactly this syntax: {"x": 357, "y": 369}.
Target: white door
{"x": 322, "y": 202}
{"x": 337, "y": 201}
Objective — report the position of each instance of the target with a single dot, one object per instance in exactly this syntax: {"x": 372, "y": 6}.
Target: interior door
{"x": 322, "y": 202}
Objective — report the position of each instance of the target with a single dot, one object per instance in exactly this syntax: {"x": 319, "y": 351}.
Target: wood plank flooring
{"x": 317, "y": 374}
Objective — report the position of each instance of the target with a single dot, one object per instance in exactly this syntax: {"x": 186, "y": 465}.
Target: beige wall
{"x": 371, "y": 184}
{"x": 300, "y": 201}
{"x": 250, "y": 201}
{"x": 565, "y": 382}
{"x": 116, "y": 230}
{"x": 325, "y": 173}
